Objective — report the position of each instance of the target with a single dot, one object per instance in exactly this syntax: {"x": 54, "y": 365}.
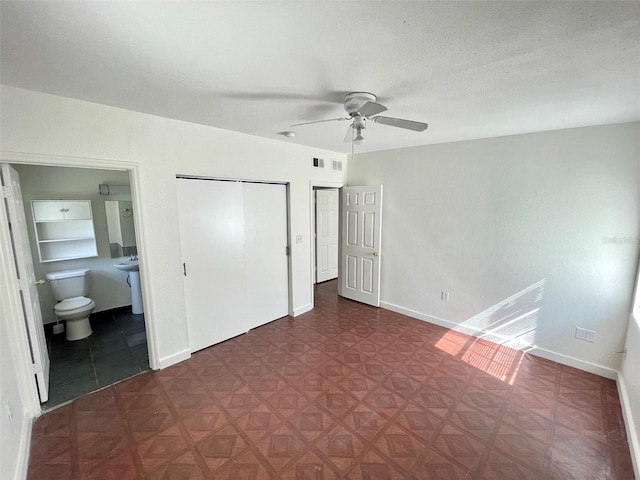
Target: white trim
{"x": 632, "y": 434}
{"x": 146, "y": 267}
{"x": 64, "y": 161}
{"x": 534, "y": 350}
{"x": 574, "y": 362}
{"x": 22, "y": 462}
{"x": 175, "y": 358}
{"x": 423, "y": 316}
{"x": 304, "y": 309}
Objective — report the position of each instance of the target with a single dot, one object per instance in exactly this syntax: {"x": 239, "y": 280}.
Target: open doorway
{"x": 314, "y": 188}
{"x": 116, "y": 347}
{"x": 326, "y": 240}
{"x": 359, "y": 235}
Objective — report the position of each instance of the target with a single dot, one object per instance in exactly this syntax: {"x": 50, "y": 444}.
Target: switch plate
{"x": 590, "y": 336}
{"x": 581, "y": 333}
{"x": 444, "y": 296}
{"x": 298, "y": 238}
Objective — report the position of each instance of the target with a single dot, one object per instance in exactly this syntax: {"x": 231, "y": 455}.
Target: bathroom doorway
{"x": 117, "y": 348}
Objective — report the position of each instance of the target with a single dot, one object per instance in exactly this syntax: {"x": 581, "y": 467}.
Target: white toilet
{"x": 69, "y": 289}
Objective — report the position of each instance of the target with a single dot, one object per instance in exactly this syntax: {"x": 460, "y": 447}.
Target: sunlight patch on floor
{"x": 496, "y": 339}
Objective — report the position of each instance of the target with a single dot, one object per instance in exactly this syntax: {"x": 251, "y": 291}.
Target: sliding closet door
{"x": 265, "y": 241}
{"x": 233, "y": 237}
{"x": 212, "y": 238}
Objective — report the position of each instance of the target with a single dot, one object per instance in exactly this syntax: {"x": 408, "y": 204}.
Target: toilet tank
{"x": 69, "y": 283}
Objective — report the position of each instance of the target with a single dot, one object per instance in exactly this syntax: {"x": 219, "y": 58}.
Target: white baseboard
{"x": 301, "y": 310}
{"x": 574, "y": 362}
{"x": 22, "y": 463}
{"x": 474, "y": 332}
{"x": 175, "y": 358}
{"x": 630, "y": 425}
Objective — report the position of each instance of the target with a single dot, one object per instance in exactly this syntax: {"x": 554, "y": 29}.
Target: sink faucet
{"x": 133, "y": 257}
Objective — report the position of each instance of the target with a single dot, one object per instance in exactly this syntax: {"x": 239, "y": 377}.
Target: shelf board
{"x": 73, "y": 239}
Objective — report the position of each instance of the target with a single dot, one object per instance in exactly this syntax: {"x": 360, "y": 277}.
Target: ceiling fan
{"x": 362, "y": 106}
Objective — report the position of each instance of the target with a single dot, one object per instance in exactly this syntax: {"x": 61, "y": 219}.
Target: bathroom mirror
{"x": 122, "y": 237}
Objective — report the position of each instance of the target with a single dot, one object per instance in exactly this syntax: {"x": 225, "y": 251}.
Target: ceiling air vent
{"x": 318, "y": 162}
{"x": 336, "y": 165}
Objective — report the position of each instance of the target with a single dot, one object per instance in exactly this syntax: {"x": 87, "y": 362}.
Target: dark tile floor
{"x": 116, "y": 350}
{"x": 344, "y": 391}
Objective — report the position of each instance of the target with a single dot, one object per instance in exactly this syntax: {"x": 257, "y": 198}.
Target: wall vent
{"x": 318, "y": 162}
{"x": 336, "y": 165}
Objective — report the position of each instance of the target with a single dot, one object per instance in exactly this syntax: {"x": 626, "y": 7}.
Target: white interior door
{"x": 326, "y": 234}
{"x": 234, "y": 238}
{"x": 26, "y": 279}
{"x": 265, "y": 249}
{"x": 361, "y": 238}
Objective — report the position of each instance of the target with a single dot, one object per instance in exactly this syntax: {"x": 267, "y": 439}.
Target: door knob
{"x": 375, "y": 254}
{"x": 39, "y": 282}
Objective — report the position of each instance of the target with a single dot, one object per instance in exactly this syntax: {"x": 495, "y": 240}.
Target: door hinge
{"x": 22, "y": 284}
{"x": 37, "y": 368}
{"x": 6, "y": 191}
{"x": 288, "y": 250}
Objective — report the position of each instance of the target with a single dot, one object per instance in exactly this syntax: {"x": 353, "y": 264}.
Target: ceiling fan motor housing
{"x": 353, "y": 101}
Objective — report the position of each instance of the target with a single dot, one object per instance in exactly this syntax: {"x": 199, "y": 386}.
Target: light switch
{"x": 590, "y": 336}
{"x": 581, "y": 333}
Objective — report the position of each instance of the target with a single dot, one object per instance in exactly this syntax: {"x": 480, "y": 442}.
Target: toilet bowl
{"x": 75, "y": 311}
{"x": 70, "y": 288}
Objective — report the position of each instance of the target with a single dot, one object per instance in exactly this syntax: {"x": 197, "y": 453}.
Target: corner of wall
{"x": 174, "y": 358}
{"x": 629, "y": 423}
{"x": 301, "y": 310}
{"x": 22, "y": 462}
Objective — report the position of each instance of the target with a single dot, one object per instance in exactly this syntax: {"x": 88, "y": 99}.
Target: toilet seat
{"x": 71, "y": 304}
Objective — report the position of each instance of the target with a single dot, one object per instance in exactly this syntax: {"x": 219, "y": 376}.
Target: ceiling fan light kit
{"x": 363, "y": 106}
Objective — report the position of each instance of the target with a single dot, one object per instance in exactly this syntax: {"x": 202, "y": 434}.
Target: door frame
{"x": 313, "y": 184}
{"x": 11, "y": 296}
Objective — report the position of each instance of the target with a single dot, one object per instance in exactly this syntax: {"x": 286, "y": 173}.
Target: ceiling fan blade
{"x": 371, "y": 108}
{"x": 349, "y": 136}
{"x": 321, "y": 121}
{"x": 401, "y": 123}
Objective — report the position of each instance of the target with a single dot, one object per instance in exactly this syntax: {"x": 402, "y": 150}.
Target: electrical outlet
{"x": 444, "y": 296}
{"x": 298, "y": 238}
{"x": 586, "y": 335}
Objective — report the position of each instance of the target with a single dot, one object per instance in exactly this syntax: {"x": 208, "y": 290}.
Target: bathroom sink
{"x": 130, "y": 266}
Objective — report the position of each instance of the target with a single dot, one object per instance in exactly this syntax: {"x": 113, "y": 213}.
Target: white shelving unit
{"x": 64, "y": 229}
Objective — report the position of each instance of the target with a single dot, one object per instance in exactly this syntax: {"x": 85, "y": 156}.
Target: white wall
{"x": 486, "y": 219}
{"x": 13, "y": 441}
{"x": 162, "y": 148}
{"x": 109, "y": 285}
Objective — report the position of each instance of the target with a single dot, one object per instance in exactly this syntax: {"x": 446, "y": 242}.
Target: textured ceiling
{"x": 470, "y": 69}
